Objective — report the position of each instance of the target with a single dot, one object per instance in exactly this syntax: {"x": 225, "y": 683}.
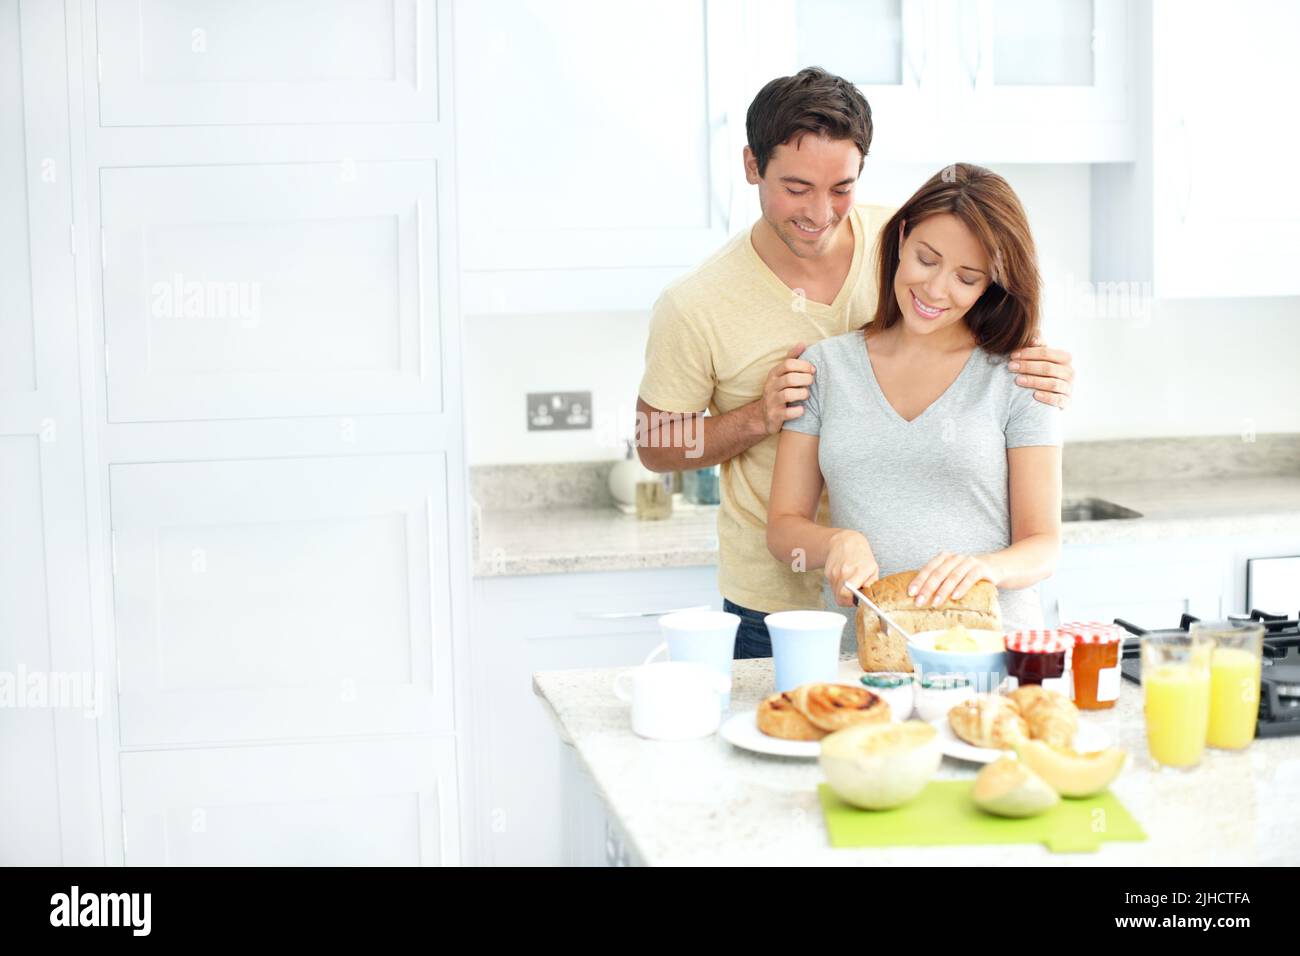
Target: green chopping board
{"x": 945, "y": 814}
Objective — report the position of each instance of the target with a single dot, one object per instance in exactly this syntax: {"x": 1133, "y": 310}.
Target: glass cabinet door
{"x": 886, "y": 47}
{"x": 1044, "y": 59}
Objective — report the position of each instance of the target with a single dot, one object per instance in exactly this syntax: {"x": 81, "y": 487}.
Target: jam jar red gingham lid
{"x": 1039, "y": 642}
{"x": 1093, "y": 632}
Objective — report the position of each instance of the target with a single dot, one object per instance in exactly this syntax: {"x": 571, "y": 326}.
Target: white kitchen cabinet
{"x": 185, "y": 62}
{"x": 341, "y": 803}
{"x": 271, "y": 290}
{"x": 1200, "y": 214}
{"x": 978, "y": 80}
{"x": 648, "y": 177}
{"x": 283, "y": 598}
{"x": 279, "y": 496}
{"x": 1033, "y": 62}
{"x": 547, "y": 622}
{"x": 599, "y": 145}
{"x": 56, "y": 701}
{"x": 1150, "y": 585}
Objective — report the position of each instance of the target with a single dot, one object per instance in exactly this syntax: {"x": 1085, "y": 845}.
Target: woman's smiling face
{"x": 942, "y": 271}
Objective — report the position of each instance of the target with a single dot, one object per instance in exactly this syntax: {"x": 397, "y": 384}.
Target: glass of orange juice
{"x": 1176, "y": 697}
{"x": 1235, "y": 663}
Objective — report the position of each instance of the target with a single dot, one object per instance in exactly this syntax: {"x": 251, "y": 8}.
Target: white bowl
{"x": 901, "y": 698}
{"x": 933, "y": 703}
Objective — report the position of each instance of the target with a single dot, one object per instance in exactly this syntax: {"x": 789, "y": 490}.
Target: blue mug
{"x": 805, "y": 647}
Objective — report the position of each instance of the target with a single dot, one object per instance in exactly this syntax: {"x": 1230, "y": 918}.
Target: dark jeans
{"x": 752, "y": 639}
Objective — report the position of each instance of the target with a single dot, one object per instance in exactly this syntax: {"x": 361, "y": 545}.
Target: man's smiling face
{"x": 807, "y": 190}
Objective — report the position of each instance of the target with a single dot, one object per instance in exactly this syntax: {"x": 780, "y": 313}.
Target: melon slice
{"x": 1072, "y": 774}
{"x": 1008, "y": 788}
{"x": 880, "y": 766}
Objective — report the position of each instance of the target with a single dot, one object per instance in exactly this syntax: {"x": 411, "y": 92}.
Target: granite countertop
{"x": 549, "y": 540}
{"x": 705, "y": 802}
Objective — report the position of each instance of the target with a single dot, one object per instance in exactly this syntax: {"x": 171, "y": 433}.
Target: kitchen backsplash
{"x": 585, "y": 483}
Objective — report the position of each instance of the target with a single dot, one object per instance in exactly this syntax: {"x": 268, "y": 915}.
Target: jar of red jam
{"x": 1095, "y": 663}
{"x": 1039, "y": 657}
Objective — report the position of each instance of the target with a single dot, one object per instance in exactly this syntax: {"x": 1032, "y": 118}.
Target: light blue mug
{"x": 805, "y": 647}
{"x": 705, "y": 637}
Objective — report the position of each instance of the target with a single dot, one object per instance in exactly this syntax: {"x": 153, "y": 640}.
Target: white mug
{"x": 673, "y": 700}
{"x": 705, "y": 637}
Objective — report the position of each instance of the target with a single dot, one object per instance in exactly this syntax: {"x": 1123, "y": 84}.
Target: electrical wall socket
{"x": 558, "y": 411}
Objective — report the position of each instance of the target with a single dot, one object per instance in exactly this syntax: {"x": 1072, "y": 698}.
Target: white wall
{"x": 1173, "y": 367}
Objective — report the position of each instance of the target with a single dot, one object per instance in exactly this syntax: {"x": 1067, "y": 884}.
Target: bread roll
{"x": 836, "y": 706}
{"x": 1050, "y": 715}
{"x": 778, "y": 717}
{"x": 881, "y": 648}
{"x": 988, "y": 720}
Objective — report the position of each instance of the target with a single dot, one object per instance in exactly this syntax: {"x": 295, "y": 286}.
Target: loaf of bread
{"x": 881, "y": 648}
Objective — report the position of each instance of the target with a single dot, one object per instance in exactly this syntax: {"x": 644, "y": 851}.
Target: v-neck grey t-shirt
{"x": 936, "y": 483}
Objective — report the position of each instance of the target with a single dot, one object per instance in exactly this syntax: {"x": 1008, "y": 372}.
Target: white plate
{"x": 742, "y": 730}
{"x": 1087, "y": 739}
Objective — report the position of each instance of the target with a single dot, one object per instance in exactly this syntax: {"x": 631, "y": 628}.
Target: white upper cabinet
{"x": 1028, "y": 60}
{"x": 256, "y": 291}
{"x": 599, "y": 147}
{"x": 979, "y": 80}
{"x": 1206, "y": 210}
{"x": 187, "y": 63}
{"x": 1226, "y": 219}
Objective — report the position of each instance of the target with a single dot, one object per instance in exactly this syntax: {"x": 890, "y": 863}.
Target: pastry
{"x": 778, "y": 717}
{"x": 836, "y": 706}
{"x": 881, "y": 648}
{"x": 988, "y": 720}
{"x": 1050, "y": 715}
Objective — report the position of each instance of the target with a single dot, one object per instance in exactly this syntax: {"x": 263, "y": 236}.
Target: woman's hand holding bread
{"x": 950, "y": 575}
{"x": 850, "y": 563}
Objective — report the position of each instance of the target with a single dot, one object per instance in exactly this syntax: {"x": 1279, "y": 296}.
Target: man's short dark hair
{"x": 811, "y": 101}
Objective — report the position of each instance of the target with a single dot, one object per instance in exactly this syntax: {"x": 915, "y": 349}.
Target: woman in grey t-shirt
{"x": 932, "y": 456}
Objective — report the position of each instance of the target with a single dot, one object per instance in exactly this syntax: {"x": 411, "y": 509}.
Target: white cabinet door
{"x": 1223, "y": 106}
{"x": 978, "y": 80}
{"x": 353, "y": 803}
{"x": 282, "y": 598}
{"x": 1046, "y": 61}
{"x": 187, "y": 62}
{"x": 591, "y": 136}
{"x": 276, "y": 290}
{"x": 886, "y": 47}
{"x": 551, "y": 622}
{"x": 50, "y": 689}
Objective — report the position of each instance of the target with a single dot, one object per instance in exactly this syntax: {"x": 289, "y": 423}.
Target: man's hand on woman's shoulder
{"x": 1049, "y": 372}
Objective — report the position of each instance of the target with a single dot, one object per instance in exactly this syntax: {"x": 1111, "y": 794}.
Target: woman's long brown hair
{"x": 1005, "y": 317}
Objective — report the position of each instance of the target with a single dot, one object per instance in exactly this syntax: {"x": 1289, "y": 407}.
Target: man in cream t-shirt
{"x": 727, "y": 336}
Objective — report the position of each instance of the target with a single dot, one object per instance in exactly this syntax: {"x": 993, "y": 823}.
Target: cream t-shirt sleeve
{"x": 679, "y": 374}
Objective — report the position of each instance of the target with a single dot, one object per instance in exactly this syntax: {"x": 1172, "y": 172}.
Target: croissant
{"x": 1050, "y": 715}
{"x": 988, "y": 720}
{"x": 836, "y": 706}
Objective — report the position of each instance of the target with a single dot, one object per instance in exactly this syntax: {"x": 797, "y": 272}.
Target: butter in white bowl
{"x": 958, "y": 639}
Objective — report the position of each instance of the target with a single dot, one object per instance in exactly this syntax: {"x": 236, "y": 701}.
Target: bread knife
{"x": 875, "y": 607}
